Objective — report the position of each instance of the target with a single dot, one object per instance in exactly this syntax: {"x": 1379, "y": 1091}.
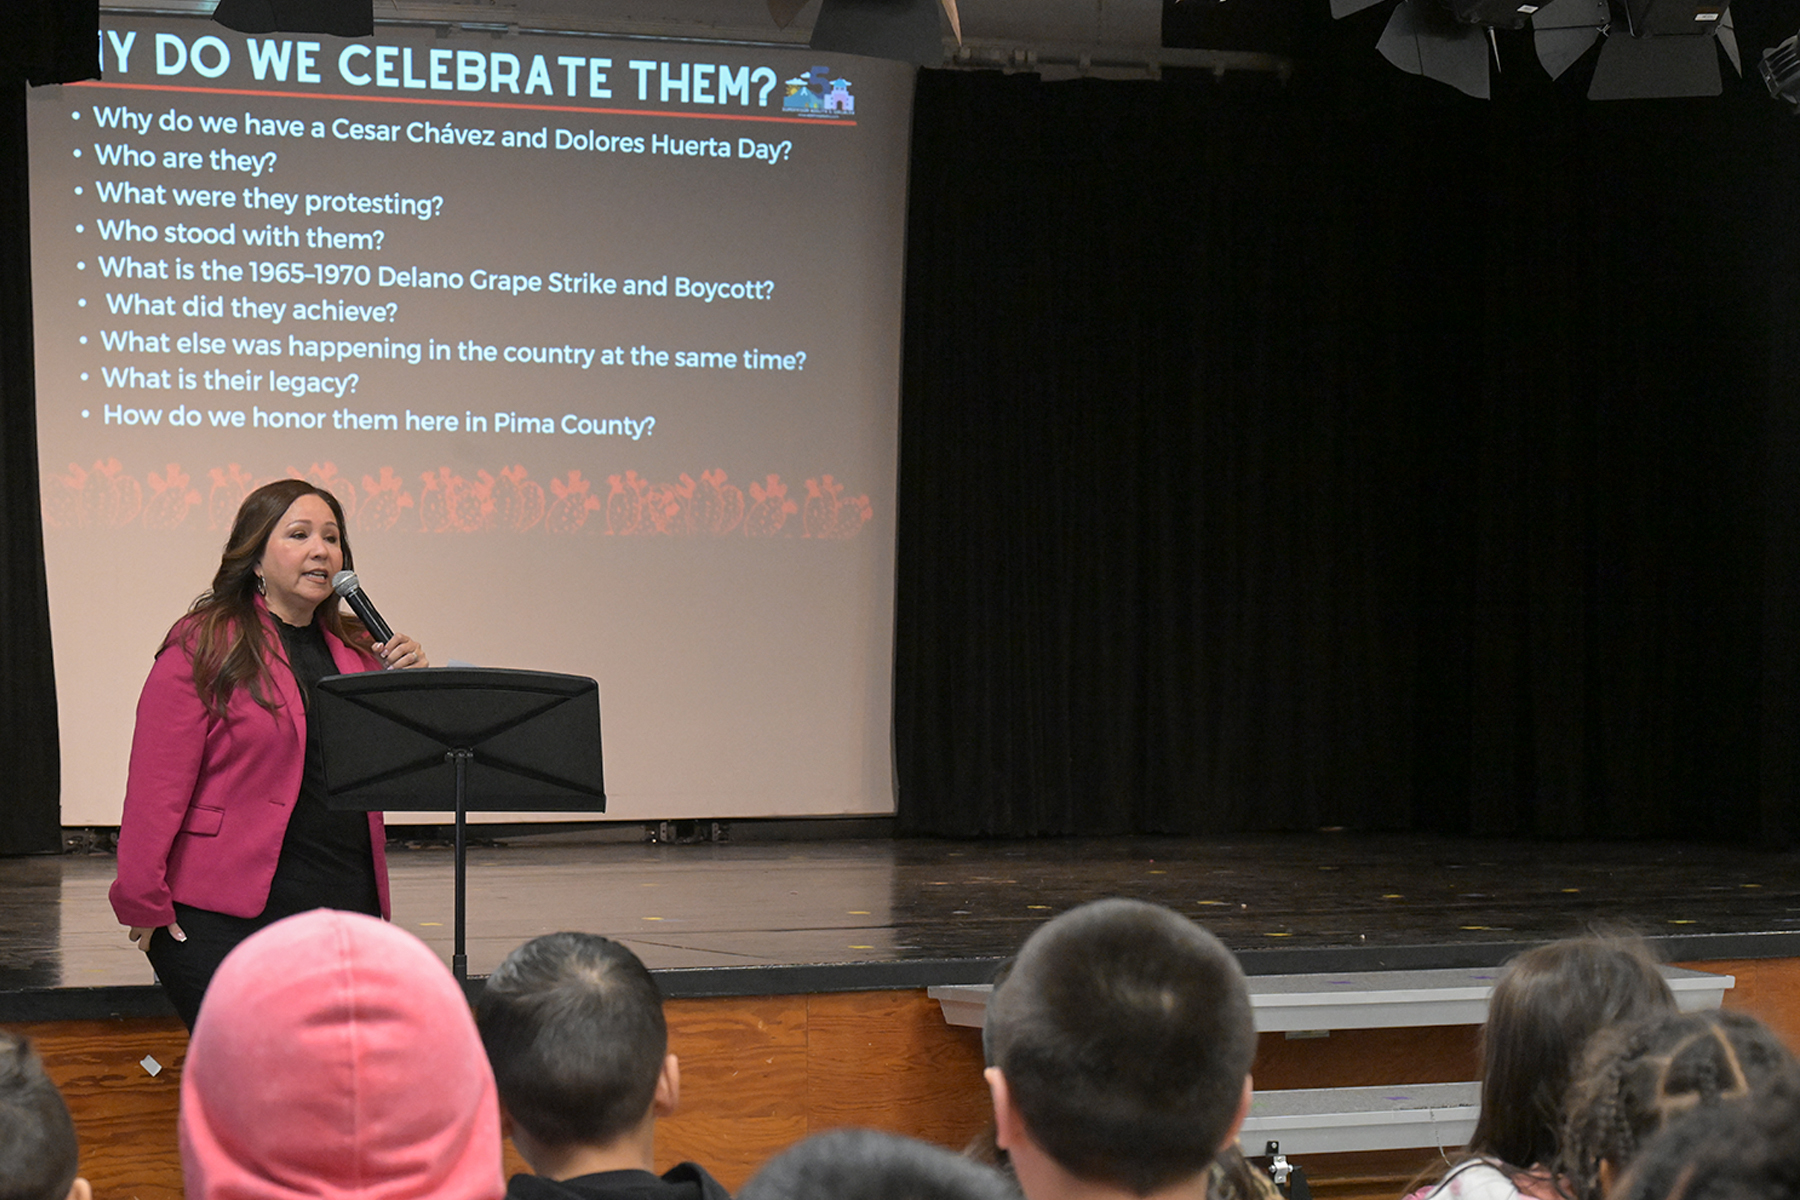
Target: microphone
{"x": 346, "y": 584}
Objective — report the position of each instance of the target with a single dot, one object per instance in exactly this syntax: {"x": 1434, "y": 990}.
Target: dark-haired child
{"x": 1638, "y": 1078}
{"x": 1724, "y": 1152}
{"x": 1548, "y": 1002}
{"x": 1121, "y": 1044}
{"x": 573, "y": 1025}
{"x": 37, "y": 1138}
{"x": 864, "y": 1164}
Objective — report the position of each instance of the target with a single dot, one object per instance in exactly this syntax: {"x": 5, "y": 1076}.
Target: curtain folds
{"x": 30, "y": 817}
{"x": 1345, "y": 454}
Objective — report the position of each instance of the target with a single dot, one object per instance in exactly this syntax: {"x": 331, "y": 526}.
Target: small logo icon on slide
{"x": 816, "y": 94}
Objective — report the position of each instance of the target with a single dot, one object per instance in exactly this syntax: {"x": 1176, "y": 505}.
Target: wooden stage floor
{"x": 772, "y": 918}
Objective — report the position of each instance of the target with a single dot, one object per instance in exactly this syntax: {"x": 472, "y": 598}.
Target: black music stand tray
{"x": 471, "y": 738}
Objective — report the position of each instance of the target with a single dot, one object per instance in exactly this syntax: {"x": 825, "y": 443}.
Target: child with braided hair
{"x": 1726, "y": 1152}
{"x": 1638, "y": 1078}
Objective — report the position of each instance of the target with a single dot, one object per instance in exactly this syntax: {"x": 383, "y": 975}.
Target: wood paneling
{"x": 1353, "y": 1057}
{"x": 1767, "y": 988}
{"x": 1371, "y": 1174}
{"x": 124, "y": 1115}
{"x": 745, "y": 1084}
{"x": 888, "y": 1060}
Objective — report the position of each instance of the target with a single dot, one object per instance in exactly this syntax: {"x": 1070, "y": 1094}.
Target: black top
{"x": 684, "y": 1181}
{"x": 326, "y": 859}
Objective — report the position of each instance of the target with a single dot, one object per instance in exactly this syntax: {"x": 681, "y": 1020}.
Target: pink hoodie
{"x": 335, "y": 1057}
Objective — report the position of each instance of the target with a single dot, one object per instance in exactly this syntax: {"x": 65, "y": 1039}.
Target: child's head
{"x": 863, "y": 1164}
{"x": 1122, "y": 1039}
{"x": 1549, "y": 1001}
{"x": 573, "y": 1025}
{"x": 1638, "y": 1078}
{"x": 335, "y": 1056}
{"x": 37, "y": 1138}
{"x": 1725, "y": 1152}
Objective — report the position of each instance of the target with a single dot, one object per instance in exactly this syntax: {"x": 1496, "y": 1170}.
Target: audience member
{"x": 1235, "y": 1177}
{"x": 37, "y": 1138}
{"x": 1725, "y": 1152}
{"x": 1548, "y": 1002}
{"x": 1121, "y": 1043}
{"x": 335, "y": 1058}
{"x": 861, "y": 1164}
{"x": 1637, "y": 1078}
{"x": 573, "y": 1025}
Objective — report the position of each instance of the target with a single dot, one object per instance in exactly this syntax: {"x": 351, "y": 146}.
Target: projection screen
{"x": 597, "y": 342}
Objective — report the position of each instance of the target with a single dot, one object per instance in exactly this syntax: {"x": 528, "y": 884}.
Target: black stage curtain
{"x": 1348, "y": 453}
{"x": 30, "y": 817}
{"x": 45, "y": 41}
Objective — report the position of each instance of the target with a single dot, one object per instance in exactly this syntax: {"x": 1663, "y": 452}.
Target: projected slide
{"x": 596, "y": 341}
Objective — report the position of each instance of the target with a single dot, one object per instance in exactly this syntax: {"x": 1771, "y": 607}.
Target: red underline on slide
{"x": 560, "y": 108}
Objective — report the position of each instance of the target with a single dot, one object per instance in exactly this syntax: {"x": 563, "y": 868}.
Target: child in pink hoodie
{"x": 336, "y": 1058}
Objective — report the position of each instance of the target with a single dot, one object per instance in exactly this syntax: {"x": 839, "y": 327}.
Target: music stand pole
{"x": 459, "y": 958}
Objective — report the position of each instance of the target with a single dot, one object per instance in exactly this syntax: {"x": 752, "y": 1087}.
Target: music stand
{"x": 471, "y": 738}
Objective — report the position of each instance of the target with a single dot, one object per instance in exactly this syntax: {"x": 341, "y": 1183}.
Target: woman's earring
{"x": 261, "y": 586}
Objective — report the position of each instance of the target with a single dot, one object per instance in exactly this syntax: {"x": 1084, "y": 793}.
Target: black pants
{"x": 186, "y": 968}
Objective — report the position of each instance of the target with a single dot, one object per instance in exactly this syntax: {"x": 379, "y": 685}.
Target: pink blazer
{"x": 207, "y": 799}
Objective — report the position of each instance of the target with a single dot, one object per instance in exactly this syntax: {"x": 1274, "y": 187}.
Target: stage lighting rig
{"x": 1648, "y": 48}
{"x": 1780, "y": 68}
{"x": 1445, "y": 40}
{"x": 345, "y": 18}
{"x": 907, "y": 30}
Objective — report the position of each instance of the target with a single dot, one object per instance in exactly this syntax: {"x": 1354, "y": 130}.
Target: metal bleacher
{"x": 1376, "y": 1117}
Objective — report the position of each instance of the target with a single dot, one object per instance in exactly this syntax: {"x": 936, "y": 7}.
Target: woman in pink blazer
{"x": 225, "y": 828}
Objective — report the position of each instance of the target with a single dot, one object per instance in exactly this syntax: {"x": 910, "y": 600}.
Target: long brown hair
{"x": 226, "y": 638}
{"x": 1549, "y": 1001}
{"x": 1547, "y": 1004}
